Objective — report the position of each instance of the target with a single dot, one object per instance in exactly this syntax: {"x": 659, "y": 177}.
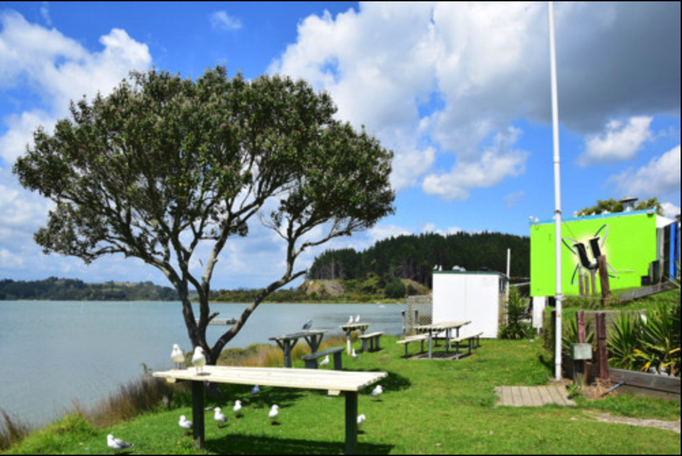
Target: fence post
{"x": 582, "y": 339}
{"x": 604, "y": 280}
{"x": 602, "y": 349}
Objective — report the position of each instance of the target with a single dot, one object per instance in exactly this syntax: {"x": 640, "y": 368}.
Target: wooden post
{"x": 602, "y": 349}
{"x": 593, "y": 278}
{"x": 604, "y": 280}
{"x": 580, "y": 283}
{"x": 586, "y": 279}
{"x": 351, "y": 422}
{"x": 582, "y": 339}
{"x": 198, "y": 414}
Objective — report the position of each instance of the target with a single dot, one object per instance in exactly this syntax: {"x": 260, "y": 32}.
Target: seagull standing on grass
{"x": 355, "y": 355}
{"x": 177, "y": 356}
{"x": 117, "y": 444}
{"x": 255, "y": 390}
{"x": 274, "y": 414}
{"x": 325, "y": 361}
{"x": 184, "y": 423}
{"x": 199, "y": 360}
{"x": 377, "y": 391}
{"x": 219, "y": 417}
{"x": 361, "y": 420}
{"x": 237, "y": 409}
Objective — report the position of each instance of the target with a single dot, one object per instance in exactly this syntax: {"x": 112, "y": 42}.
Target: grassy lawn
{"x": 435, "y": 407}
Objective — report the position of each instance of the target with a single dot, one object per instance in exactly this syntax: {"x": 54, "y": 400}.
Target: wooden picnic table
{"x": 288, "y": 341}
{"x": 336, "y": 382}
{"x": 349, "y": 328}
{"x": 436, "y": 328}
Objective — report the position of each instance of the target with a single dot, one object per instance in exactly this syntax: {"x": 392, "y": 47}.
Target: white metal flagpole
{"x": 557, "y": 196}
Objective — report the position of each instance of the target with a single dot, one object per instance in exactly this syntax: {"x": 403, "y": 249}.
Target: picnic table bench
{"x": 311, "y": 359}
{"x": 473, "y": 341}
{"x": 336, "y": 382}
{"x": 288, "y": 341}
{"x": 349, "y": 328}
{"x": 443, "y": 327}
{"x": 409, "y": 339}
{"x": 373, "y": 339}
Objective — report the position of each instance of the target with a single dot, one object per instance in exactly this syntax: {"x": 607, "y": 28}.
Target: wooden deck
{"x": 532, "y": 396}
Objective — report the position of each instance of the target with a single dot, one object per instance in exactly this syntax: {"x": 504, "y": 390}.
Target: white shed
{"x": 475, "y": 296}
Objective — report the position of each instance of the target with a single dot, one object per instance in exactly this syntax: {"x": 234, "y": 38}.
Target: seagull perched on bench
{"x": 177, "y": 356}
{"x": 308, "y": 325}
{"x": 199, "y": 360}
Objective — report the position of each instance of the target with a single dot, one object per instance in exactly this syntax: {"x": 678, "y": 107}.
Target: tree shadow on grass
{"x": 247, "y": 444}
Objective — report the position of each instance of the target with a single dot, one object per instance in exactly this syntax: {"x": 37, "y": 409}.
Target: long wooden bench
{"x": 409, "y": 339}
{"x": 472, "y": 341}
{"x": 348, "y": 383}
{"x": 373, "y": 340}
{"x": 311, "y": 359}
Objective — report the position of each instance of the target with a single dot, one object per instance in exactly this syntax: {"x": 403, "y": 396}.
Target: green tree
{"x": 165, "y": 164}
{"x": 613, "y": 206}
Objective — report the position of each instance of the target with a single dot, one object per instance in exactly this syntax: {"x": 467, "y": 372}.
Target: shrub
{"x": 516, "y": 328}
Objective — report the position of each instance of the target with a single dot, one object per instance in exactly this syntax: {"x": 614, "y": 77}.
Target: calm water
{"x": 54, "y": 352}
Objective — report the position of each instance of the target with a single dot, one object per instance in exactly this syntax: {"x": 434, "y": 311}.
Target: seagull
{"x": 219, "y": 417}
{"x": 237, "y": 409}
{"x": 355, "y": 355}
{"x": 184, "y": 423}
{"x": 274, "y": 413}
{"x": 176, "y": 356}
{"x": 350, "y": 320}
{"x": 325, "y": 361}
{"x": 357, "y": 318}
{"x": 117, "y": 444}
{"x": 361, "y": 420}
{"x": 377, "y": 391}
{"x": 255, "y": 390}
{"x": 308, "y": 324}
{"x": 199, "y": 360}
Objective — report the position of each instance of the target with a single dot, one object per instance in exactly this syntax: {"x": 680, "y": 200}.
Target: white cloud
{"x": 223, "y": 22}
{"x": 445, "y": 77}
{"x": 661, "y": 176}
{"x": 670, "y": 210}
{"x": 514, "y": 198}
{"x": 494, "y": 164}
{"x": 620, "y": 142}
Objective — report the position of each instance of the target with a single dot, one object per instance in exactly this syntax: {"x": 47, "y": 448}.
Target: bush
{"x": 395, "y": 289}
{"x": 516, "y": 312}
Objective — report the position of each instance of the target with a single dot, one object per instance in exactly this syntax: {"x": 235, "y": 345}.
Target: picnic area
{"x": 427, "y": 407}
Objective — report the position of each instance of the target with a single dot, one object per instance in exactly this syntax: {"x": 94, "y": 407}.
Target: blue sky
{"x": 460, "y": 92}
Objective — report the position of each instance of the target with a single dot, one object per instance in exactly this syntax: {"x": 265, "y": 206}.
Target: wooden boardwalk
{"x": 532, "y": 396}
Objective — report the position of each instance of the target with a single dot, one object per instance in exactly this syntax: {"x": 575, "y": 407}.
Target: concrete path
{"x": 532, "y": 396}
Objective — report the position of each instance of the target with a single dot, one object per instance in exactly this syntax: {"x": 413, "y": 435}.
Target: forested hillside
{"x": 414, "y": 257}
{"x": 54, "y": 289}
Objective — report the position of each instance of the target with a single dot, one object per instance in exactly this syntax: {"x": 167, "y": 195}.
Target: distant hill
{"x": 54, "y": 289}
{"x": 414, "y": 257}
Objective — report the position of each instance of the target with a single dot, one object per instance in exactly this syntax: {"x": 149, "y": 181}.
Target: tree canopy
{"x": 612, "y": 206}
{"x": 164, "y": 165}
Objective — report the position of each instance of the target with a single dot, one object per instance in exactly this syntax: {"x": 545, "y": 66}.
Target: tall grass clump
{"x": 516, "y": 328}
{"x": 133, "y": 399}
{"x": 12, "y": 430}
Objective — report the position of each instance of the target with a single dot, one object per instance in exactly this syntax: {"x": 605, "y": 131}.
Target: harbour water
{"x": 52, "y": 353}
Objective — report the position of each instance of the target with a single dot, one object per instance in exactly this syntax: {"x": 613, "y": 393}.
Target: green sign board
{"x": 628, "y": 240}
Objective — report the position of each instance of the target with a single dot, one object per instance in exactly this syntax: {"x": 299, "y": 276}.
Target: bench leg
{"x": 364, "y": 345}
{"x": 378, "y": 342}
{"x": 198, "y": 414}
{"x": 311, "y": 363}
{"x": 337, "y": 361}
{"x": 351, "y": 422}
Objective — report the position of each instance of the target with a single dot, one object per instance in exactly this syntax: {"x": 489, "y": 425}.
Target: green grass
{"x": 436, "y": 407}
